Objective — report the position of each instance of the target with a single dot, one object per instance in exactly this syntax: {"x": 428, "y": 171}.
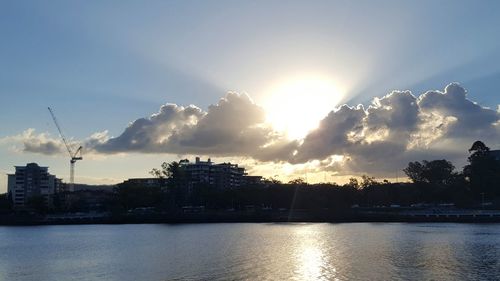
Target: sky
{"x": 318, "y": 89}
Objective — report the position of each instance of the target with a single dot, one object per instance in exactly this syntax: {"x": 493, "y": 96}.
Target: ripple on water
{"x": 252, "y": 252}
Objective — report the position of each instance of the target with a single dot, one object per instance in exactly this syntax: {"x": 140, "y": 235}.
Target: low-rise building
{"x": 219, "y": 176}
{"x": 146, "y": 182}
{"x": 252, "y": 180}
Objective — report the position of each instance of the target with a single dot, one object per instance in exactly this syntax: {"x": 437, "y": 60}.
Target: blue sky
{"x": 103, "y": 64}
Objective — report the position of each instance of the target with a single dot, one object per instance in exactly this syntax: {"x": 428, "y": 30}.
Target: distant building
{"x": 146, "y": 182}
{"x": 219, "y": 176}
{"x": 198, "y": 173}
{"x": 252, "y": 180}
{"x": 227, "y": 176}
{"x": 32, "y": 181}
{"x": 59, "y": 186}
{"x": 495, "y": 154}
{"x": 204, "y": 173}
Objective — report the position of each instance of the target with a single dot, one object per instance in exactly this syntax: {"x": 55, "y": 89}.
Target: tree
{"x": 175, "y": 178}
{"x": 297, "y": 181}
{"x": 273, "y": 181}
{"x": 439, "y": 172}
{"x": 353, "y": 183}
{"x": 367, "y": 181}
{"x": 483, "y": 171}
{"x": 37, "y": 203}
{"x": 415, "y": 171}
{"x": 5, "y": 203}
{"x": 176, "y": 173}
{"x": 168, "y": 170}
{"x": 478, "y": 149}
{"x": 436, "y": 172}
{"x": 133, "y": 196}
{"x": 172, "y": 172}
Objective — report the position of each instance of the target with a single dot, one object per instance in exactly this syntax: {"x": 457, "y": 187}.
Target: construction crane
{"x": 74, "y": 156}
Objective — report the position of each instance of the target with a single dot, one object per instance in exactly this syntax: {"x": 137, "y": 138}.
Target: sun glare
{"x": 296, "y": 106}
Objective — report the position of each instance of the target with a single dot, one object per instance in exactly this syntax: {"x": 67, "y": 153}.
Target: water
{"x": 358, "y": 251}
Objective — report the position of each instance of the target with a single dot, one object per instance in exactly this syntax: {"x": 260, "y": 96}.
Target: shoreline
{"x": 475, "y": 216}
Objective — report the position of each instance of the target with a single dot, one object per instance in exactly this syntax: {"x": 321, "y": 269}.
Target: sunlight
{"x": 311, "y": 259}
{"x": 295, "y": 106}
{"x": 310, "y": 263}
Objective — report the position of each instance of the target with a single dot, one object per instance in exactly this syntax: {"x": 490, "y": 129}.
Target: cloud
{"x": 333, "y": 134}
{"x": 32, "y": 142}
{"x": 379, "y": 139}
{"x": 471, "y": 119}
{"x": 148, "y": 135}
{"x": 235, "y": 126}
{"x": 399, "y": 128}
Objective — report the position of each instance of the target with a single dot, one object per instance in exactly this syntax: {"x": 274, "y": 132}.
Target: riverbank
{"x": 455, "y": 216}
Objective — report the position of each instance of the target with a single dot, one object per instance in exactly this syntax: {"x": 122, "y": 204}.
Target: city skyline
{"x": 260, "y": 77}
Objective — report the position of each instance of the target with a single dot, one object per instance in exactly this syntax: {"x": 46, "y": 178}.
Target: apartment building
{"x": 31, "y": 181}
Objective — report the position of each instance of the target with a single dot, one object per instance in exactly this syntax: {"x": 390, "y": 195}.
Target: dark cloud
{"x": 36, "y": 143}
{"x": 332, "y": 135}
{"x": 48, "y": 147}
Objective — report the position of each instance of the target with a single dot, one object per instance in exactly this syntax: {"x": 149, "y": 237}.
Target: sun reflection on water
{"x": 312, "y": 262}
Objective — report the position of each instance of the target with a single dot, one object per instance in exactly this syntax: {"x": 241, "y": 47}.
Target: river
{"x": 246, "y": 251}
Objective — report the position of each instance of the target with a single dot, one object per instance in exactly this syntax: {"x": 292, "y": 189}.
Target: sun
{"x": 295, "y": 106}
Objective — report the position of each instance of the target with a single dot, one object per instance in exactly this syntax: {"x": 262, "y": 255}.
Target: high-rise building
{"x": 32, "y": 181}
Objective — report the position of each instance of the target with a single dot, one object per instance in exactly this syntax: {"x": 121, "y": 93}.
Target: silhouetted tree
{"x": 297, "y": 181}
{"x": 478, "y": 149}
{"x": 353, "y": 183}
{"x": 174, "y": 175}
{"x": 483, "y": 171}
{"x": 5, "y": 203}
{"x": 133, "y": 196}
{"x": 415, "y": 171}
{"x": 170, "y": 171}
{"x": 272, "y": 181}
{"x": 437, "y": 172}
{"x": 367, "y": 181}
{"x": 37, "y": 203}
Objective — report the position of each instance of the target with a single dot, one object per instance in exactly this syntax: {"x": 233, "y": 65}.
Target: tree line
{"x": 436, "y": 181}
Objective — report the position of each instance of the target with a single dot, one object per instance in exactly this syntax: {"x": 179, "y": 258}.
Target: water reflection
{"x": 311, "y": 257}
{"x": 252, "y": 252}
{"x": 310, "y": 263}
